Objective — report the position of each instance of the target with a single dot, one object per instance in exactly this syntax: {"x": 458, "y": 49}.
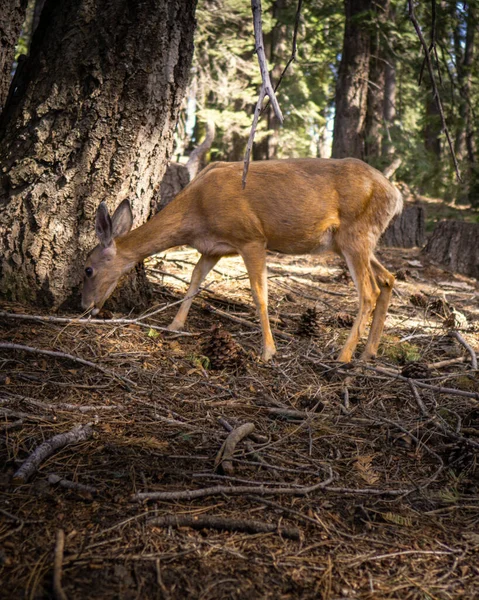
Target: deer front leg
{"x": 254, "y": 256}
{"x": 201, "y": 270}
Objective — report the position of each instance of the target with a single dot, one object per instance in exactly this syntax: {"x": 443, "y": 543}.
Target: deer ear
{"x": 103, "y": 226}
{"x": 122, "y": 219}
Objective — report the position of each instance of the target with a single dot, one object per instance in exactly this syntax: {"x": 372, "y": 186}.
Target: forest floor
{"x": 366, "y": 476}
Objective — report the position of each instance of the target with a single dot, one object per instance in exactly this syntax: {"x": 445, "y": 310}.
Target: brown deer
{"x": 296, "y": 206}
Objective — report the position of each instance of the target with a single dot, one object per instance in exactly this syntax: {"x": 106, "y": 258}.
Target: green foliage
{"x": 226, "y": 80}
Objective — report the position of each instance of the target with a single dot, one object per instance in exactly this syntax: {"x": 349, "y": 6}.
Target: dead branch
{"x": 231, "y": 317}
{"x": 54, "y": 479}
{"x": 92, "y": 321}
{"x": 266, "y": 491}
{"x": 437, "y": 421}
{"x": 199, "y": 152}
{"x": 58, "y": 592}
{"x": 292, "y": 58}
{"x": 78, "y": 434}
{"x": 266, "y": 87}
{"x": 462, "y": 341}
{"x": 225, "y": 524}
{"x": 427, "y": 56}
{"x": 393, "y": 167}
{"x": 60, "y": 406}
{"x": 228, "y": 448}
{"x": 8, "y": 346}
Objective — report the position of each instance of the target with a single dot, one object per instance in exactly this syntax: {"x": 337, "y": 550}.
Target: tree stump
{"x": 455, "y": 244}
{"x": 407, "y": 230}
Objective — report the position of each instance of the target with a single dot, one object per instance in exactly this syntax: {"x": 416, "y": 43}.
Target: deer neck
{"x": 166, "y": 229}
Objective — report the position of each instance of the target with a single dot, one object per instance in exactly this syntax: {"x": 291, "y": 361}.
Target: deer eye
{"x": 88, "y": 271}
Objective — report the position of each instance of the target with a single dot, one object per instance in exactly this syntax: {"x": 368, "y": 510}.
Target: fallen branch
{"x": 54, "y": 479}
{"x": 228, "y": 448}
{"x": 225, "y": 524}
{"x": 58, "y": 592}
{"x": 61, "y": 405}
{"x": 80, "y": 433}
{"x": 90, "y": 321}
{"x": 222, "y": 313}
{"x": 77, "y": 359}
{"x": 462, "y": 341}
{"x": 262, "y": 491}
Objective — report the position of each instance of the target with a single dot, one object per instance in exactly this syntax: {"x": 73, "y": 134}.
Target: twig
{"x": 54, "y": 479}
{"x": 218, "y": 311}
{"x": 58, "y": 592}
{"x": 266, "y": 86}
{"x": 77, "y": 359}
{"x": 293, "y": 50}
{"x": 427, "y": 56}
{"x": 231, "y": 490}
{"x": 227, "y": 450}
{"x": 80, "y": 433}
{"x": 462, "y": 341}
{"x": 225, "y": 524}
{"x": 444, "y": 427}
{"x": 91, "y": 321}
{"x": 61, "y": 405}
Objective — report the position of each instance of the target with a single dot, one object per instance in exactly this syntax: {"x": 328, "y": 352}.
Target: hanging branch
{"x": 432, "y": 45}
{"x": 266, "y": 86}
{"x": 293, "y": 50}
{"x": 427, "y": 56}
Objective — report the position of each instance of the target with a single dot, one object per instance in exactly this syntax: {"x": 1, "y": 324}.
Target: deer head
{"x": 106, "y": 264}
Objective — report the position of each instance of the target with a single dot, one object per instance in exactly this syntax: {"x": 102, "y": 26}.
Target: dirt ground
{"x": 358, "y": 482}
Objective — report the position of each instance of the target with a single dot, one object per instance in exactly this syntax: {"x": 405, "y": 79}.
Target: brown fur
{"x": 296, "y": 206}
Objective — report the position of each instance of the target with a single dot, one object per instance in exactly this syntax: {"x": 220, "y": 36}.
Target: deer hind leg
{"x": 368, "y": 291}
{"x": 254, "y": 256}
{"x": 201, "y": 270}
{"x": 385, "y": 281}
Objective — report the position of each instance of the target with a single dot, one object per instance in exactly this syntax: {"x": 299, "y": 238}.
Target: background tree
{"x": 352, "y": 85}
{"x": 12, "y": 16}
{"x": 93, "y": 120}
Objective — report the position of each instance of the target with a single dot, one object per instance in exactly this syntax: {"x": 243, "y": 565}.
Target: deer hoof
{"x": 268, "y": 354}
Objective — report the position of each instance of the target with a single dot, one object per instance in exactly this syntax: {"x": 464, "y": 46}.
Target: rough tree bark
{"x": 101, "y": 95}
{"x": 12, "y": 15}
{"x": 455, "y": 244}
{"x": 376, "y": 89}
{"x": 407, "y": 230}
{"x": 389, "y": 107}
{"x": 352, "y": 86}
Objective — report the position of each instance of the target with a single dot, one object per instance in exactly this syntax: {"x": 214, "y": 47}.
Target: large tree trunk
{"x": 12, "y": 15}
{"x": 455, "y": 244}
{"x": 352, "y": 86}
{"x": 377, "y": 79}
{"x": 102, "y": 91}
{"x": 389, "y": 107}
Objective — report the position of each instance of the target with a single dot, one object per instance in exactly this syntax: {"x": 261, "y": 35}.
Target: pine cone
{"x": 416, "y": 370}
{"x": 222, "y": 350}
{"x": 342, "y": 319}
{"x": 440, "y": 307}
{"x": 308, "y": 323}
{"x": 456, "y": 320}
{"x": 419, "y": 299}
{"x": 403, "y": 274}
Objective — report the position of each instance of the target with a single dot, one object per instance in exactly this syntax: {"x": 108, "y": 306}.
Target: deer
{"x": 289, "y": 206}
